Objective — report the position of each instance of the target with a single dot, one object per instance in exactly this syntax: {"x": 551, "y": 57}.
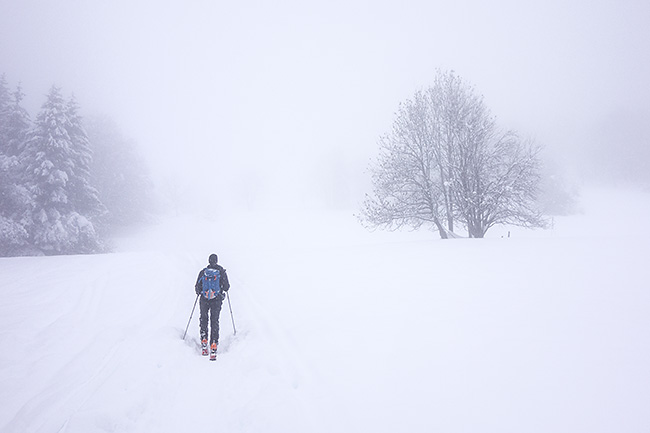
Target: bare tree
{"x": 497, "y": 184}
{"x": 446, "y": 160}
{"x": 409, "y": 187}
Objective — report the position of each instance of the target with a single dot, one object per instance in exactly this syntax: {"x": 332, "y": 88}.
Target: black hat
{"x": 213, "y": 259}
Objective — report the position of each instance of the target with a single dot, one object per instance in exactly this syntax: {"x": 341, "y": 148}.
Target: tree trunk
{"x": 450, "y": 219}
{"x": 475, "y": 230}
{"x": 441, "y": 229}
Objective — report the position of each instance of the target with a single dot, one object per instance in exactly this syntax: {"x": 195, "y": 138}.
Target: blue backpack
{"x": 211, "y": 283}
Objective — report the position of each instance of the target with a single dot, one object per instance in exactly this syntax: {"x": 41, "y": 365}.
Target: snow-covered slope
{"x": 338, "y": 329}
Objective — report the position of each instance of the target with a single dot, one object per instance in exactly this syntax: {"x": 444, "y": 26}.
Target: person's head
{"x": 213, "y": 259}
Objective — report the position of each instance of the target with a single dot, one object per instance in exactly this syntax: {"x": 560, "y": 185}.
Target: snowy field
{"x": 338, "y": 329}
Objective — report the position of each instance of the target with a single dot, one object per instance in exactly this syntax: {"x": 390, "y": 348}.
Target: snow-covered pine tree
{"x": 4, "y": 106}
{"x": 57, "y": 163}
{"x": 15, "y": 205}
{"x": 15, "y": 201}
{"x": 84, "y": 197}
{"x": 16, "y": 124}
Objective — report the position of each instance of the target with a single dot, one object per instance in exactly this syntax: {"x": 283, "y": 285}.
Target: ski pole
{"x": 188, "y": 322}
{"x": 231, "y": 316}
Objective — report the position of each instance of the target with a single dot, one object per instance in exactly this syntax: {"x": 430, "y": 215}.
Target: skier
{"x": 211, "y": 285}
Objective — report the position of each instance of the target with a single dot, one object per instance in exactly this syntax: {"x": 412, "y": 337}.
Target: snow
{"x": 338, "y": 329}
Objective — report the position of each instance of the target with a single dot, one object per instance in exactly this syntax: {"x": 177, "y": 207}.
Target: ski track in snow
{"x": 105, "y": 353}
{"x": 337, "y": 331}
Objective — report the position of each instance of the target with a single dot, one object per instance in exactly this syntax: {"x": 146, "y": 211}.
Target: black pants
{"x": 213, "y": 306}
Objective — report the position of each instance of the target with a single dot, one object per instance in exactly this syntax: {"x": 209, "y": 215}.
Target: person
{"x": 211, "y": 286}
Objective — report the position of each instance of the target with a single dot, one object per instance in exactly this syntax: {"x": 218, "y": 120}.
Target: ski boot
{"x": 204, "y": 347}
{"x": 213, "y": 352}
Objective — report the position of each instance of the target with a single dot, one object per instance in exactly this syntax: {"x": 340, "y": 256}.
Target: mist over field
{"x": 291, "y": 98}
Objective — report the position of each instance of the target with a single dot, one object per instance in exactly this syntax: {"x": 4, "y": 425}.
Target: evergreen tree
{"x": 14, "y": 197}
{"x": 15, "y": 205}
{"x": 84, "y": 197}
{"x": 16, "y": 124}
{"x": 4, "y": 107}
{"x": 119, "y": 174}
{"x": 4, "y": 98}
{"x": 57, "y": 162}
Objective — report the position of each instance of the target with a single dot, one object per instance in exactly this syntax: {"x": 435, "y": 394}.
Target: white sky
{"x": 282, "y": 91}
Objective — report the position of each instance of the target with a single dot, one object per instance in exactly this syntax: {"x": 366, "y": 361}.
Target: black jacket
{"x": 224, "y": 283}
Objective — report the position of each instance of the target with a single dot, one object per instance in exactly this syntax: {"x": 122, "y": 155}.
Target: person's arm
{"x": 198, "y": 287}
{"x": 225, "y": 284}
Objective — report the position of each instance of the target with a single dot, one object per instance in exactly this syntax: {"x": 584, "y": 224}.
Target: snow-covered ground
{"x": 338, "y": 329}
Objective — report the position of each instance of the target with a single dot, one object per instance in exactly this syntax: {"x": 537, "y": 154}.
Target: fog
{"x": 282, "y": 103}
